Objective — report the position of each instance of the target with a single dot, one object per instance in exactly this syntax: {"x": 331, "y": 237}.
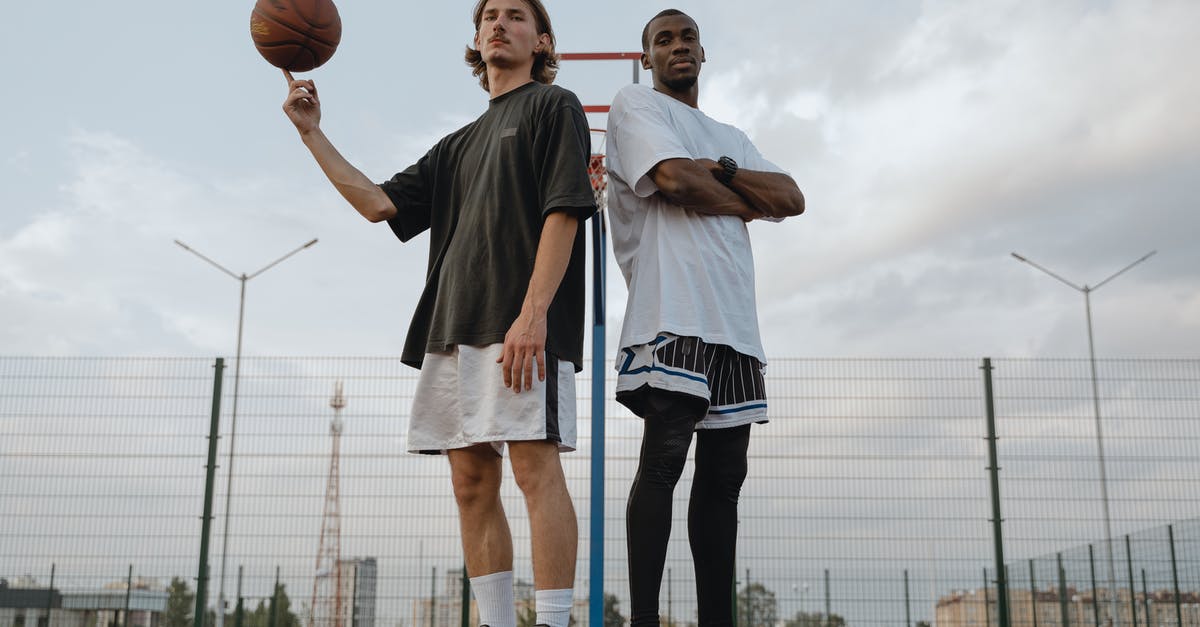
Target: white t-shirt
{"x": 688, "y": 273}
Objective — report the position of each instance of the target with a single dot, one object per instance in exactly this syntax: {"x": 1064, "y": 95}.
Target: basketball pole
{"x": 596, "y": 515}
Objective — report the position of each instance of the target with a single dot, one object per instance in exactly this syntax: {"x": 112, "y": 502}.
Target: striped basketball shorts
{"x": 711, "y": 382}
{"x": 461, "y": 401}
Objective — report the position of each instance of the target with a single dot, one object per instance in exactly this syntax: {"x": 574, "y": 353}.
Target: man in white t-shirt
{"x": 681, "y": 189}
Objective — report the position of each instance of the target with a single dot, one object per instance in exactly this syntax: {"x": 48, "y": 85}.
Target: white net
{"x": 597, "y": 171}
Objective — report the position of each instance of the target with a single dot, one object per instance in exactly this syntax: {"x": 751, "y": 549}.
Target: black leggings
{"x": 712, "y": 514}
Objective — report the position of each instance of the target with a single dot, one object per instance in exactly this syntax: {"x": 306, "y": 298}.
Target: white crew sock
{"x": 494, "y": 597}
{"x": 553, "y": 606}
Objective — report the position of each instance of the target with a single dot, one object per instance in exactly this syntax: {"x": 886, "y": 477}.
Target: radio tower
{"x": 327, "y": 607}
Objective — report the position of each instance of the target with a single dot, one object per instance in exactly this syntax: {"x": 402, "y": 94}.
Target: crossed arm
{"x": 693, "y": 184}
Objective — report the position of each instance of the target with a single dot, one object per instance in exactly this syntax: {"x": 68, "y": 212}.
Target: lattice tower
{"x": 328, "y": 606}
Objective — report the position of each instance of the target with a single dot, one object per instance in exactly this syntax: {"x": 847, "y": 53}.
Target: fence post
{"x": 907, "y": 608}
{"x": 987, "y": 601}
{"x": 354, "y": 593}
{"x": 994, "y": 472}
{"x": 1132, "y": 589}
{"x": 433, "y": 597}
{"x": 670, "y": 612}
{"x": 50, "y": 596}
{"x": 128, "y": 591}
{"x": 209, "y": 474}
{"x": 828, "y": 611}
{"x": 1095, "y": 596}
{"x": 1145, "y": 597}
{"x": 1064, "y": 603}
{"x": 239, "y": 609}
{"x": 1033, "y": 593}
{"x": 465, "y": 621}
{"x": 1175, "y": 575}
{"x": 599, "y": 317}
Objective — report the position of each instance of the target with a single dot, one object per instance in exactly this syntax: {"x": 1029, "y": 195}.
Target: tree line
{"x": 273, "y": 612}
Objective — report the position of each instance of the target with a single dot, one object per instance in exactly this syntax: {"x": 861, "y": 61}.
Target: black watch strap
{"x": 730, "y": 168}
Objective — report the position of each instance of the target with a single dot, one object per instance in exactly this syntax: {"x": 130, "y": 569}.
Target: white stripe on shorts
{"x": 730, "y": 381}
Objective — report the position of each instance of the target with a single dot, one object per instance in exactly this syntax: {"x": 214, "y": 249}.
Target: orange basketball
{"x": 296, "y": 35}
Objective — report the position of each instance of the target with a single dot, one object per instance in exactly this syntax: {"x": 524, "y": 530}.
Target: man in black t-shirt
{"x": 503, "y": 199}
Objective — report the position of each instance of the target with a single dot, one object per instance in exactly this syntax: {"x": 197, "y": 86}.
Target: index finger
{"x": 288, "y": 75}
{"x": 505, "y": 362}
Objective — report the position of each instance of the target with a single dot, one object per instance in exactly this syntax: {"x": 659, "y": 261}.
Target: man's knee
{"x": 536, "y": 466}
{"x": 664, "y": 451}
{"x": 475, "y": 476}
{"x": 721, "y": 463}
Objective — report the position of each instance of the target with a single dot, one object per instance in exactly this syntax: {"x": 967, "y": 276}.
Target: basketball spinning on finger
{"x": 296, "y": 35}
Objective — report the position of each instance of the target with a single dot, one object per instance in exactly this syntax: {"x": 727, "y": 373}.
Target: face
{"x": 675, "y": 52}
{"x": 507, "y": 35}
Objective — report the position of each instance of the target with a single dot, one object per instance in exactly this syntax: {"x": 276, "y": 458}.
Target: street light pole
{"x": 1087, "y": 304}
{"x": 237, "y": 374}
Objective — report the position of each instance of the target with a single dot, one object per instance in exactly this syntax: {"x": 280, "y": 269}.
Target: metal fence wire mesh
{"x": 867, "y": 503}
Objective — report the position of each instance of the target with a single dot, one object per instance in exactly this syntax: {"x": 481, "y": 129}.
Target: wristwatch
{"x": 729, "y": 167}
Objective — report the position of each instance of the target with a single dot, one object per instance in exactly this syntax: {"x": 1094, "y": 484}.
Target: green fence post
{"x": 354, "y": 595}
{"x": 1033, "y": 593}
{"x": 1064, "y": 603}
{"x": 1132, "y": 589}
{"x": 465, "y": 598}
{"x": 907, "y": 603}
{"x": 128, "y": 591}
{"x": 987, "y": 601}
{"x": 206, "y": 518}
{"x": 1095, "y": 596}
{"x": 239, "y": 609}
{"x": 994, "y": 475}
{"x": 670, "y": 610}
{"x": 828, "y": 611}
{"x": 50, "y": 596}
{"x": 1175, "y": 575}
{"x": 1145, "y": 597}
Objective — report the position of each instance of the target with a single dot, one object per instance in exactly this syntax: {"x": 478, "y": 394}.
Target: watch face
{"x": 729, "y": 166}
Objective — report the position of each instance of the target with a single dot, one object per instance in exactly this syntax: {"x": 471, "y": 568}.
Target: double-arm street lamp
{"x": 1087, "y": 303}
{"x": 237, "y": 372}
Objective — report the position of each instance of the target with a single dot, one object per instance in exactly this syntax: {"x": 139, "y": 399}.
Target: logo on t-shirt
{"x": 508, "y": 132}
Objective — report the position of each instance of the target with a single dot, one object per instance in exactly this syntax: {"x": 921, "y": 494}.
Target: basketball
{"x": 295, "y": 35}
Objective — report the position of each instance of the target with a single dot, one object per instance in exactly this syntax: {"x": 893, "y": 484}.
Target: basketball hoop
{"x": 597, "y": 171}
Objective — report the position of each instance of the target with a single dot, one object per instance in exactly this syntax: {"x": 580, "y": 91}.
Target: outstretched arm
{"x": 525, "y": 341}
{"x": 689, "y": 184}
{"x": 303, "y": 108}
{"x": 773, "y": 194}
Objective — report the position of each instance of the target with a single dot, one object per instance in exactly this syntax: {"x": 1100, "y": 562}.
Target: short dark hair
{"x": 545, "y": 65}
{"x": 663, "y": 13}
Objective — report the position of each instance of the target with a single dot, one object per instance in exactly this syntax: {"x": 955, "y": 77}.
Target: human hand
{"x": 302, "y": 105}
{"x": 524, "y": 344}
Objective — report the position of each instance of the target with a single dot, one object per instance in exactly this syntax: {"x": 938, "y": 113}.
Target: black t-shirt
{"x": 483, "y": 192}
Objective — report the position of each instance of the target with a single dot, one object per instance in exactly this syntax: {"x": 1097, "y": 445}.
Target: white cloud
{"x": 930, "y": 139}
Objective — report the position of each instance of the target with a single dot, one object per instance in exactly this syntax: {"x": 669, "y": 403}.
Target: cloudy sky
{"x": 930, "y": 138}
